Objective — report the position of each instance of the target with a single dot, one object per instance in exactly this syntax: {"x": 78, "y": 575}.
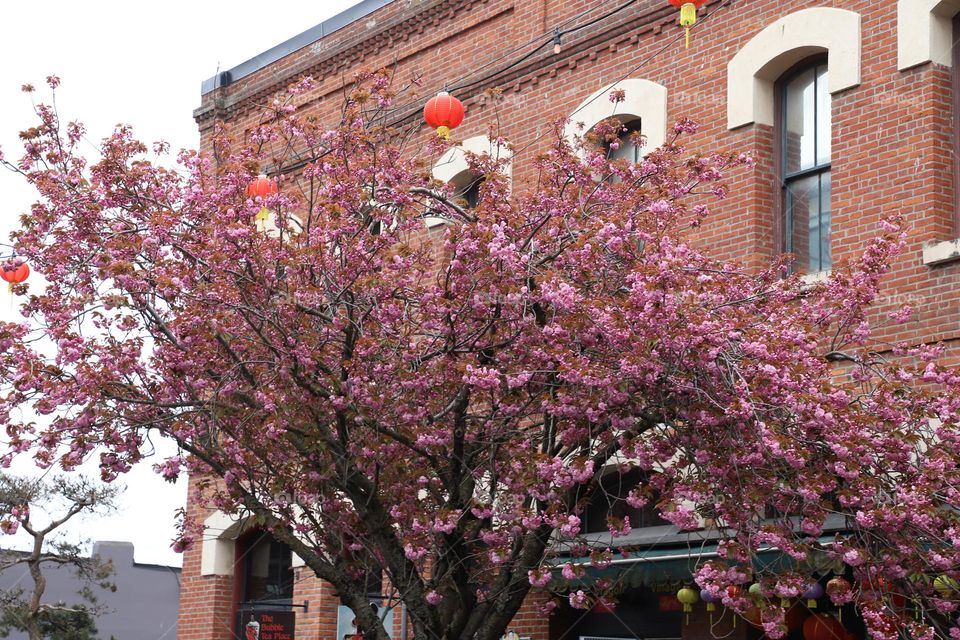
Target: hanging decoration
{"x": 794, "y": 617}
{"x": 261, "y": 187}
{"x": 16, "y": 275}
{"x": 881, "y": 589}
{"x": 812, "y": 593}
{"x": 688, "y": 597}
{"x": 838, "y": 588}
{"x": 443, "y": 112}
{"x": 708, "y": 596}
{"x": 688, "y": 15}
{"x": 823, "y": 626}
{"x": 945, "y": 585}
{"x": 753, "y": 617}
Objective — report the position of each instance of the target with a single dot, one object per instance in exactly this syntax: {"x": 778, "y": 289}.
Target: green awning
{"x": 657, "y": 566}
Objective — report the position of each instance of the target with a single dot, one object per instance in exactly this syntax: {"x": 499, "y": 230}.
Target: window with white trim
{"x": 804, "y": 129}
{"x": 643, "y": 108}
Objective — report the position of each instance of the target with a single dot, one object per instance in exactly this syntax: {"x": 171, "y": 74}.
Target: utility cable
{"x": 629, "y": 73}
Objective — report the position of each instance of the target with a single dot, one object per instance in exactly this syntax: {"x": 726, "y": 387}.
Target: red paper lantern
{"x": 443, "y": 112}
{"x": 883, "y": 589}
{"x": 753, "y": 616}
{"x": 838, "y": 586}
{"x": 688, "y": 14}
{"x": 795, "y": 617}
{"x": 16, "y": 275}
{"x": 261, "y": 187}
{"x": 823, "y": 626}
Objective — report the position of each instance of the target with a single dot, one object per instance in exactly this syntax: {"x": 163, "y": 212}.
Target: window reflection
{"x": 805, "y": 126}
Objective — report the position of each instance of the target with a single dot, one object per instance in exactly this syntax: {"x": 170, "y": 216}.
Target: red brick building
{"x": 848, "y": 106}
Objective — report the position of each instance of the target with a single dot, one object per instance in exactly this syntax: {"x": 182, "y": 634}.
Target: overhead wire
{"x": 528, "y": 43}
{"x": 557, "y": 32}
{"x": 611, "y": 86}
{"x": 699, "y": 25}
{"x": 545, "y": 39}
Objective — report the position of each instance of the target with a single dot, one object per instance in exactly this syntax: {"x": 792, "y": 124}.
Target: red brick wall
{"x": 207, "y": 603}
{"x": 892, "y": 150}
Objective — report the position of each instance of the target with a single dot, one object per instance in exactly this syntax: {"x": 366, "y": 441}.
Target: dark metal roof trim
{"x": 342, "y": 19}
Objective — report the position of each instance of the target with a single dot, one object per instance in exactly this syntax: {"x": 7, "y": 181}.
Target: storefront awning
{"x": 657, "y": 566}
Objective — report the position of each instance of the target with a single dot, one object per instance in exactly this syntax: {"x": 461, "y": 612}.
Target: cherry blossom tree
{"x": 443, "y": 405}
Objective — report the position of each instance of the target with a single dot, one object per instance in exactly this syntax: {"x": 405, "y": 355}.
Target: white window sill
{"x": 935, "y": 253}
{"x": 433, "y": 221}
{"x": 811, "y": 279}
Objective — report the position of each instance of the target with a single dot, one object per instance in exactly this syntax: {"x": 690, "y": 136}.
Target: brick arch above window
{"x": 643, "y": 99}
{"x": 925, "y": 32}
{"x": 751, "y": 73}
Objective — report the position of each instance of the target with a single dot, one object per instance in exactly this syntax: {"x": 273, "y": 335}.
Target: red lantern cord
{"x": 16, "y": 275}
{"x": 443, "y": 112}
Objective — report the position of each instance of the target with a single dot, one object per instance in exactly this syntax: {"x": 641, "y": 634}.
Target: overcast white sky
{"x": 142, "y": 64}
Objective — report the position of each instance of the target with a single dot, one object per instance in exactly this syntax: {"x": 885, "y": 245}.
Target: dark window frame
{"x": 246, "y": 543}
{"x": 782, "y": 223}
{"x": 605, "y": 497}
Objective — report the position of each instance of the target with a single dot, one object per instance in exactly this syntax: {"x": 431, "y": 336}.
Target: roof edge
{"x": 308, "y": 37}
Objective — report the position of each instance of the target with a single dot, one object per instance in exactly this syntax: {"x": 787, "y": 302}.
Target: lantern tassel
{"x": 688, "y": 17}
{"x": 443, "y": 133}
{"x": 811, "y": 603}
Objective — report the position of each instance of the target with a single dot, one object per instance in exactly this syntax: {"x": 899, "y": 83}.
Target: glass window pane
{"x": 627, "y": 150}
{"x": 826, "y": 257}
{"x": 472, "y": 194}
{"x": 268, "y": 570}
{"x": 808, "y": 222}
{"x": 823, "y": 117}
{"x": 799, "y": 131}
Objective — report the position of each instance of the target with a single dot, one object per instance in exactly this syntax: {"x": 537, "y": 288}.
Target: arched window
{"x": 466, "y": 188}
{"x": 804, "y": 132}
{"x": 929, "y": 31}
{"x": 924, "y": 32}
{"x": 452, "y": 168}
{"x": 627, "y": 148}
{"x": 752, "y": 72}
{"x": 643, "y": 109}
{"x": 610, "y": 501}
